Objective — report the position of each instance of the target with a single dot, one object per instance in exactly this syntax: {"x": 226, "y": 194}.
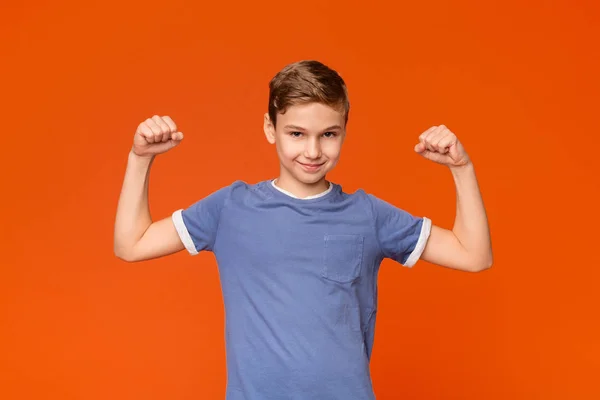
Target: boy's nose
{"x": 312, "y": 149}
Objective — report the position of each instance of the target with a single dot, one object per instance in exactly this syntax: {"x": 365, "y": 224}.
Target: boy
{"x": 298, "y": 258}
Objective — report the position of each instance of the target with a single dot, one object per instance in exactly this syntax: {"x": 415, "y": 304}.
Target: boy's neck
{"x": 300, "y": 189}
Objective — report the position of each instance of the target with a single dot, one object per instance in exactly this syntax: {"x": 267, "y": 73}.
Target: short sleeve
{"x": 197, "y": 225}
{"x": 401, "y": 236}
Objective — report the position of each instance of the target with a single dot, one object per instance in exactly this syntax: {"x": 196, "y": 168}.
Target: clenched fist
{"x": 441, "y": 145}
{"x": 156, "y": 135}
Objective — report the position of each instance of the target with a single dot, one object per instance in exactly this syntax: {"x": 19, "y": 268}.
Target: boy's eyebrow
{"x": 332, "y": 127}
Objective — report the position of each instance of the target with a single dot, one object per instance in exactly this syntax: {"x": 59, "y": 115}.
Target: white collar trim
{"x": 316, "y": 196}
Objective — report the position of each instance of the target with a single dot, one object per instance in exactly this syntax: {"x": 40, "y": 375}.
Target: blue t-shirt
{"x": 299, "y": 283}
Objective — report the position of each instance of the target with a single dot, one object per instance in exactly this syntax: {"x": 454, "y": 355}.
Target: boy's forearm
{"x": 471, "y": 224}
{"x": 133, "y": 210}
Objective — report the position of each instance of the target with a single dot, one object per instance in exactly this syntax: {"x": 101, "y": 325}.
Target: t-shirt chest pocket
{"x": 342, "y": 260}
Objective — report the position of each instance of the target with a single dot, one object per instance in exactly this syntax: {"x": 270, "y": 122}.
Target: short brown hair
{"x": 307, "y": 81}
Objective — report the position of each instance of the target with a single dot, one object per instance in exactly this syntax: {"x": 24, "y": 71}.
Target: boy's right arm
{"x": 136, "y": 237}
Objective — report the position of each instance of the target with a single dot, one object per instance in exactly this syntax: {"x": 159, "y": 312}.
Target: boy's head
{"x": 306, "y": 119}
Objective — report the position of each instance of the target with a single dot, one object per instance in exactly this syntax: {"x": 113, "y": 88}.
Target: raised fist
{"x": 156, "y": 135}
{"x": 441, "y": 145}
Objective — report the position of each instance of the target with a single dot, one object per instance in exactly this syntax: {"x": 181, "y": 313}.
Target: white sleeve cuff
{"x": 184, "y": 235}
{"x": 421, "y": 242}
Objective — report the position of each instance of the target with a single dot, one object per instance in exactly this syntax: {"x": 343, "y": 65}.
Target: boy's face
{"x": 308, "y": 138}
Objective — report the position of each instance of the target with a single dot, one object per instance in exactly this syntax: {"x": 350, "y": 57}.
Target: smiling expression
{"x": 309, "y": 139}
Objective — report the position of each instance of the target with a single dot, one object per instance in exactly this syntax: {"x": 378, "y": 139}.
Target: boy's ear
{"x": 269, "y": 129}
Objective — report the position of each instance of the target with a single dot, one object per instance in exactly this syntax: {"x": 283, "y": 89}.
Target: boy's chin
{"x": 309, "y": 179}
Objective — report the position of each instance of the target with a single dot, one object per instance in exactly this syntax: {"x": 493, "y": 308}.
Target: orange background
{"x": 516, "y": 81}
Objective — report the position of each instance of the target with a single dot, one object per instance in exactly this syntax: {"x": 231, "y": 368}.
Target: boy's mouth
{"x": 310, "y": 167}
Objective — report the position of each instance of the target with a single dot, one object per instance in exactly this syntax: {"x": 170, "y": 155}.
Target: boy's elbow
{"x": 123, "y": 255}
{"x": 483, "y": 265}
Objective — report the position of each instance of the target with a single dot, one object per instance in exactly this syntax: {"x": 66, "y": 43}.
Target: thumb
{"x": 419, "y": 147}
{"x": 176, "y": 138}
{"x": 435, "y": 157}
{"x": 161, "y": 147}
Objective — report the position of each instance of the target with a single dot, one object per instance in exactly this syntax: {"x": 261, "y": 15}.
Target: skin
{"x": 306, "y": 134}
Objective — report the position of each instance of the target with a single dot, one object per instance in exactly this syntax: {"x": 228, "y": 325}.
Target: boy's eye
{"x": 326, "y": 134}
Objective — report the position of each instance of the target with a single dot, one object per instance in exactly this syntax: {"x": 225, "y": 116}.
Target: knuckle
{"x": 169, "y": 121}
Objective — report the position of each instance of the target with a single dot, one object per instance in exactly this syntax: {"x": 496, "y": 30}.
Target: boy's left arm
{"x": 468, "y": 245}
